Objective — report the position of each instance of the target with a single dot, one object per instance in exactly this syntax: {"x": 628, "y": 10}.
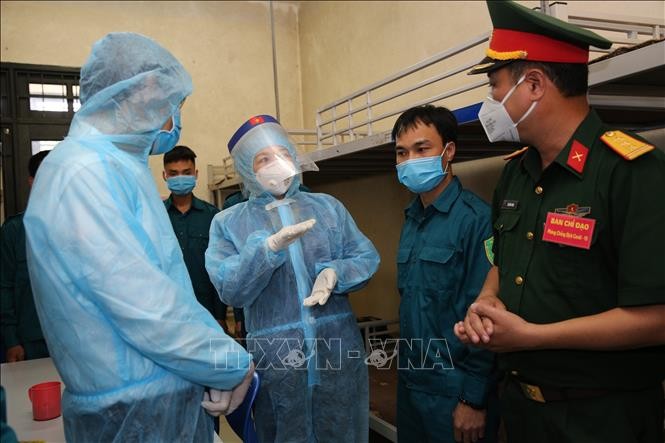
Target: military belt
{"x": 546, "y": 394}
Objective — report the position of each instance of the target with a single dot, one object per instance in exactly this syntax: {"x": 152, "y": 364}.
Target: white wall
{"x": 225, "y": 46}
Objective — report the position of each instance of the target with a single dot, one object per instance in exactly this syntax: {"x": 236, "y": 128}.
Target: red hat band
{"x": 508, "y": 44}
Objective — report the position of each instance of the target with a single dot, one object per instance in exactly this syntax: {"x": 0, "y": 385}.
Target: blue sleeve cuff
{"x": 275, "y": 259}
{"x": 259, "y": 240}
{"x": 475, "y": 390}
{"x": 321, "y": 266}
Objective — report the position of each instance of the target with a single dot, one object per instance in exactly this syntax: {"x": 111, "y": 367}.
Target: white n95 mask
{"x": 497, "y": 122}
{"x": 277, "y": 176}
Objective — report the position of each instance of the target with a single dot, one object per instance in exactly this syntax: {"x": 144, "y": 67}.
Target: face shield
{"x": 266, "y": 157}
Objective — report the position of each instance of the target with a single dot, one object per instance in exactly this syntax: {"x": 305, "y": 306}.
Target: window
{"x": 77, "y": 99}
{"x": 46, "y": 95}
{"x": 43, "y": 145}
{"x": 37, "y": 104}
{"x": 53, "y": 97}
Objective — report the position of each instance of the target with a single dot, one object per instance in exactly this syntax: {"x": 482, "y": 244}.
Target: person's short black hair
{"x": 180, "y": 152}
{"x": 35, "y": 161}
{"x": 571, "y": 79}
{"x": 443, "y": 120}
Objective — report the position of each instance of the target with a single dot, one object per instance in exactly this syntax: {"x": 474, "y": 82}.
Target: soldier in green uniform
{"x": 575, "y": 301}
{"x": 22, "y": 335}
{"x": 191, "y": 218}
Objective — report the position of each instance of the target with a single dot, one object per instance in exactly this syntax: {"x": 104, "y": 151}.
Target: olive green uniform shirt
{"x": 546, "y": 282}
{"x": 192, "y": 230}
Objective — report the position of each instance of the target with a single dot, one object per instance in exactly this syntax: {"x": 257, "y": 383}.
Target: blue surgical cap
{"x": 130, "y": 86}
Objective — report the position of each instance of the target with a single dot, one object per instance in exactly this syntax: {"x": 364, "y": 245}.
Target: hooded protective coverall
{"x": 314, "y": 383}
{"x": 131, "y": 343}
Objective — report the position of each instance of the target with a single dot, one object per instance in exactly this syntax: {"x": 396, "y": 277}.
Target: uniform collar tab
{"x": 573, "y": 157}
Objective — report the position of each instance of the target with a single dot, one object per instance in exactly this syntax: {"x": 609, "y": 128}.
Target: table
{"x": 17, "y": 378}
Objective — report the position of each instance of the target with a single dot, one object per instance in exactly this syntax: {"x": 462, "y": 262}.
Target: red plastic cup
{"x": 45, "y": 398}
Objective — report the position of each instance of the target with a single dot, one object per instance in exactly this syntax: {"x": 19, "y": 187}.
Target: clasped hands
{"x": 488, "y": 324}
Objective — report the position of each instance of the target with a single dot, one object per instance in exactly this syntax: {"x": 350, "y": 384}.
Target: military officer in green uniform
{"x": 191, "y": 218}
{"x": 22, "y": 335}
{"x": 575, "y": 301}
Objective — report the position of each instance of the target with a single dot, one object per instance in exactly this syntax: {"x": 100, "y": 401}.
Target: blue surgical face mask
{"x": 166, "y": 140}
{"x": 422, "y": 174}
{"x": 181, "y": 184}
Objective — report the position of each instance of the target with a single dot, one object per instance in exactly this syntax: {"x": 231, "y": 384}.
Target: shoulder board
{"x": 517, "y": 153}
{"x": 626, "y": 146}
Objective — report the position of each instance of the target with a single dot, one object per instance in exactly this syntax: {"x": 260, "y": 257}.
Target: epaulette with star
{"x": 626, "y": 146}
{"x": 517, "y": 153}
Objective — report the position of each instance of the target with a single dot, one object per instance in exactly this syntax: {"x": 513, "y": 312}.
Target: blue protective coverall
{"x": 314, "y": 384}
{"x": 126, "y": 333}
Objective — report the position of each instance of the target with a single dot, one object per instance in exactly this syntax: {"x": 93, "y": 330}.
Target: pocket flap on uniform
{"x": 403, "y": 255}
{"x": 506, "y": 221}
{"x": 437, "y": 255}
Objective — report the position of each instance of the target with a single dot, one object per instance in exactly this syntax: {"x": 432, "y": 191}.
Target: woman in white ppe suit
{"x": 290, "y": 258}
{"x": 132, "y": 345}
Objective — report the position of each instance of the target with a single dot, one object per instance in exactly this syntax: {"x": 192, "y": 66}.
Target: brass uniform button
{"x": 519, "y": 280}
{"x": 529, "y": 235}
{"x": 539, "y": 190}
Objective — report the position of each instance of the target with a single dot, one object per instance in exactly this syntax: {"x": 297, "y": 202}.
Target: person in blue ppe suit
{"x": 445, "y": 389}
{"x": 238, "y": 316}
{"x": 290, "y": 258}
{"x": 131, "y": 343}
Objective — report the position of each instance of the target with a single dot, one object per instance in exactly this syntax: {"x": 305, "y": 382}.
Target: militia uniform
{"x": 192, "y": 230}
{"x": 18, "y": 316}
{"x": 442, "y": 261}
{"x": 583, "y": 236}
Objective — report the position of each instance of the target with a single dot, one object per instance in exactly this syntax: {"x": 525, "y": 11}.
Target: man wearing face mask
{"x": 134, "y": 348}
{"x": 191, "y": 218}
{"x": 574, "y": 302}
{"x": 442, "y": 261}
{"x": 290, "y": 259}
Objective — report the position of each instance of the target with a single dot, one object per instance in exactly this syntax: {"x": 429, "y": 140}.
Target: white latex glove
{"x": 323, "y": 286}
{"x": 288, "y": 234}
{"x": 217, "y": 402}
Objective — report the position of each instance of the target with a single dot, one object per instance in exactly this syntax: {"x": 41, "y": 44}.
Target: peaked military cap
{"x": 523, "y": 34}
